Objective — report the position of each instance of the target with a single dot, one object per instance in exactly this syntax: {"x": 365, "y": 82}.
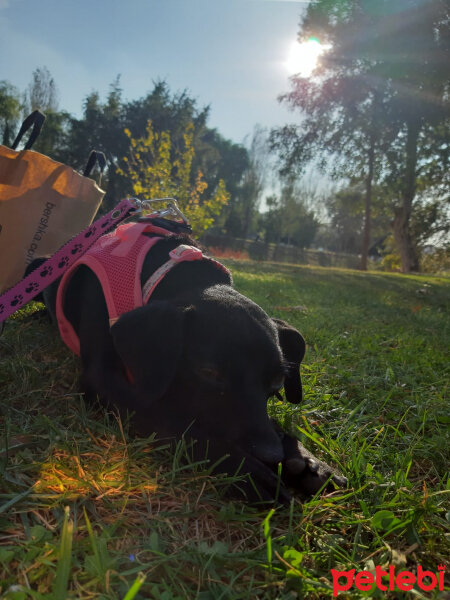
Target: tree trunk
{"x": 247, "y": 219}
{"x": 6, "y": 134}
{"x": 408, "y": 253}
{"x": 368, "y": 204}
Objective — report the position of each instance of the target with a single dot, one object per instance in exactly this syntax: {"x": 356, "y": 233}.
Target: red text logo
{"x": 401, "y": 580}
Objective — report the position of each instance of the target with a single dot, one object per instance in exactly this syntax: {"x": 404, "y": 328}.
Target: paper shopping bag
{"x": 43, "y": 203}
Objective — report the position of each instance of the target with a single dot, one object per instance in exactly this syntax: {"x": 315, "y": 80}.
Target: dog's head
{"x": 211, "y": 362}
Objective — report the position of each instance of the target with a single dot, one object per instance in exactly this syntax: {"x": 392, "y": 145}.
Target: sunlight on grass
{"x": 144, "y": 521}
{"x": 105, "y": 472}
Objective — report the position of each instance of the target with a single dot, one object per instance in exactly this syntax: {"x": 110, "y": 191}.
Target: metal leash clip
{"x": 169, "y": 216}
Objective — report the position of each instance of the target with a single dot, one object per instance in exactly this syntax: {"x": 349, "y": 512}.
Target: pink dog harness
{"x": 116, "y": 259}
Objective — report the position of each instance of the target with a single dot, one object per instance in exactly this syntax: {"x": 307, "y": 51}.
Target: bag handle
{"x": 95, "y": 157}
{"x": 35, "y": 120}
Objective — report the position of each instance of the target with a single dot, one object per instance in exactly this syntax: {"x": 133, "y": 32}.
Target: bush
{"x": 437, "y": 261}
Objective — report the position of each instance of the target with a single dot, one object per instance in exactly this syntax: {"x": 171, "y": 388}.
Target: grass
{"x": 89, "y": 511}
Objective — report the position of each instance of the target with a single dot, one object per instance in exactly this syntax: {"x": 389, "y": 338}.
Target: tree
{"x": 158, "y": 170}
{"x": 288, "y": 219}
{"x": 254, "y": 165}
{"x": 346, "y": 209}
{"x": 380, "y": 92}
{"x": 10, "y": 109}
{"x": 219, "y": 158}
{"x": 340, "y": 130}
{"x": 103, "y": 125}
{"x": 54, "y": 139}
{"x": 102, "y": 128}
{"x": 41, "y": 93}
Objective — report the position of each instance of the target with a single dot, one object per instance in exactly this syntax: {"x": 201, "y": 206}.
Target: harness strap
{"x": 182, "y": 253}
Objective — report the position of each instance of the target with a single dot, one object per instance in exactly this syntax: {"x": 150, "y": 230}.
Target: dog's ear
{"x": 293, "y": 347}
{"x": 149, "y": 340}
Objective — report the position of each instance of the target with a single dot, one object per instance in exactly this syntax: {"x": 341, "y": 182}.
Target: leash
{"x": 50, "y": 270}
{"x": 54, "y": 267}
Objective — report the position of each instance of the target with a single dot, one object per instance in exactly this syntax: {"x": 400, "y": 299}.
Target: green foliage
{"x": 10, "y": 107}
{"x": 365, "y": 111}
{"x": 375, "y": 405}
{"x": 436, "y": 260}
{"x": 346, "y": 211}
{"x": 288, "y": 220}
{"x": 243, "y": 210}
{"x": 341, "y": 143}
{"x": 102, "y": 127}
{"x": 61, "y": 583}
{"x": 157, "y": 171}
{"x": 390, "y": 257}
{"x": 54, "y": 138}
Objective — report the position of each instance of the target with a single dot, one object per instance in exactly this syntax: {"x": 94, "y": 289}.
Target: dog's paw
{"x": 305, "y": 473}
{"x": 248, "y": 478}
{"x": 260, "y": 485}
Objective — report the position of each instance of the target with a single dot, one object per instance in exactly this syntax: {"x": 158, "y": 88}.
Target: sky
{"x": 229, "y": 54}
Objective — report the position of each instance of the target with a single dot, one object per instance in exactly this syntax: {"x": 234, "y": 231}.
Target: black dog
{"x": 201, "y": 360}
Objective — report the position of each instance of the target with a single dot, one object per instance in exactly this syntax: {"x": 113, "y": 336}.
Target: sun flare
{"x": 303, "y": 58}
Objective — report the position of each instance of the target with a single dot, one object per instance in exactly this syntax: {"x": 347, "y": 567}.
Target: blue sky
{"x": 226, "y": 53}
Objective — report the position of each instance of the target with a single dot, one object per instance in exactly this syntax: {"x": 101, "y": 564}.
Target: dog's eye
{"x": 209, "y": 373}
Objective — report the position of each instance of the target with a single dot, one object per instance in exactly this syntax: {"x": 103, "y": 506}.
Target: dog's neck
{"x": 189, "y": 276}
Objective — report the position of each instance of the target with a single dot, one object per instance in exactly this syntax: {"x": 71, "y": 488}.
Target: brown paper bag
{"x": 43, "y": 204}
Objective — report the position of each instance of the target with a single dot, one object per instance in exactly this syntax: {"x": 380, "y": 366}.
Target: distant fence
{"x": 257, "y": 250}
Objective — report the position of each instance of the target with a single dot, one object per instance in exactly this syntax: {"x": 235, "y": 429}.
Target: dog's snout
{"x": 267, "y": 452}
{"x": 266, "y": 446}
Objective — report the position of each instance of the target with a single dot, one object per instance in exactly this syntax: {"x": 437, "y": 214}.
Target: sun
{"x": 302, "y": 58}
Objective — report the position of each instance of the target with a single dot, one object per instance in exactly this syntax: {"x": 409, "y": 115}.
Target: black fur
{"x": 203, "y": 359}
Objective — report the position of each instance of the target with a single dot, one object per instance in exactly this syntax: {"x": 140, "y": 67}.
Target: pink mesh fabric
{"x": 116, "y": 259}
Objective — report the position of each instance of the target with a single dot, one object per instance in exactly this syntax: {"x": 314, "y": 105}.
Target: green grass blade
{"x": 94, "y": 546}
{"x": 60, "y": 588}
{"x": 5, "y": 507}
{"x": 135, "y": 587}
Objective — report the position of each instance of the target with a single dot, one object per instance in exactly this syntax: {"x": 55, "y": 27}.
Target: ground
{"x": 89, "y": 511}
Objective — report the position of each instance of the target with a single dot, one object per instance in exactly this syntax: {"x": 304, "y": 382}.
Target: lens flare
{"x": 303, "y": 58}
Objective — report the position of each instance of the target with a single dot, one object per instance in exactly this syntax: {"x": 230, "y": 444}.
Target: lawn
{"x": 89, "y": 511}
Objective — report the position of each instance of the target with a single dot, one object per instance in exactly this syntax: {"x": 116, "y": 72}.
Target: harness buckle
{"x": 171, "y": 209}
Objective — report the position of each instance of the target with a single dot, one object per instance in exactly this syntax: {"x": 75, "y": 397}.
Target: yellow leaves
{"x": 157, "y": 169}
{"x": 201, "y": 213}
